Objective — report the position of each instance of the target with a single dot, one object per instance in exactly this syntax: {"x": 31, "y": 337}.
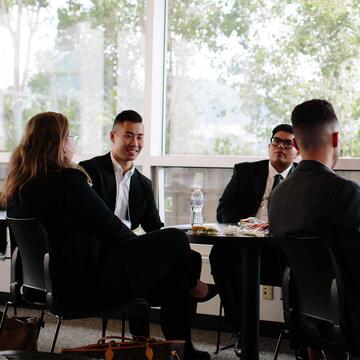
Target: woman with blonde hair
{"x": 90, "y": 241}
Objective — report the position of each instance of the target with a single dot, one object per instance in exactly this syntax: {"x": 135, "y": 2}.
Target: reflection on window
{"x": 180, "y": 182}
{"x": 82, "y": 58}
{"x": 237, "y": 68}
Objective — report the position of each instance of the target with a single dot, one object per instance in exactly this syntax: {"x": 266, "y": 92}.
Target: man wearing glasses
{"x": 247, "y": 194}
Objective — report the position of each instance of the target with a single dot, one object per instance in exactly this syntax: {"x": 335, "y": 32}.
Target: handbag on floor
{"x": 110, "y": 348}
{"x": 19, "y": 333}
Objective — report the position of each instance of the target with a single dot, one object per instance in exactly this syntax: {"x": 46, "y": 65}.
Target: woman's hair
{"x": 41, "y": 149}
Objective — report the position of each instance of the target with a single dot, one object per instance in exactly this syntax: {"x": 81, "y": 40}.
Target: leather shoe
{"x": 213, "y": 291}
{"x": 237, "y": 346}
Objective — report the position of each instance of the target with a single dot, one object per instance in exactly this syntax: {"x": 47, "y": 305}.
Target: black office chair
{"x": 314, "y": 296}
{"x": 32, "y": 281}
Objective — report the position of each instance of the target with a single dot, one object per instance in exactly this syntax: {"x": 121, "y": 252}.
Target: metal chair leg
{"x": 280, "y": 338}
{"x": 218, "y": 348}
{"x": 41, "y": 321}
{"x": 104, "y": 325}
{"x": 123, "y": 318}
{"x": 56, "y": 334}
{"x": 2, "y": 323}
{"x": 218, "y": 330}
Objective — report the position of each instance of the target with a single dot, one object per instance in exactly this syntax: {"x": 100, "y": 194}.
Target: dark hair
{"x": 309, "y": 120}
{"x": 282, "y": 127}
{"x": 128, "y": 115}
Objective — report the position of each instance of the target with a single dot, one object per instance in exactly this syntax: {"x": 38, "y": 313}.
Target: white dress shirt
{"x": 262, "y": 212}
{"x": 122, "y": 192}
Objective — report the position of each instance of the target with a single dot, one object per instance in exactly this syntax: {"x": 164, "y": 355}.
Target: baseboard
{"x": 202, "y": 321}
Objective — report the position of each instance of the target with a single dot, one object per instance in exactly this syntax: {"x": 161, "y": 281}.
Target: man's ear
{"x": 335, "y": 139}
{"x": 296, "y": 145}
{"x": 112, "y": 136}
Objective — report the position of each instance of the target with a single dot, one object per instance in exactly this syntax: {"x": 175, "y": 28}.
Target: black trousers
{"x": 138, "y": 327}
{"x": 158, "y": 267}
{"x": 226, "y": 268}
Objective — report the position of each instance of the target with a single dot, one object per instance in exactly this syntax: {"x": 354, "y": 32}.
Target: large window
{"x": 180, "y": 182}
{"x": 236, "y": 68}
{"x": 83, "y": 58}
{"x": 211, "y": 77}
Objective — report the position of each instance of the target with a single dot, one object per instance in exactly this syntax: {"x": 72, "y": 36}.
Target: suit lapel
{"x": 134, "y": 193}
{"x": 260, "y": 178}
{"x": 292, "y": 169}
{"x": 110, "y": 181}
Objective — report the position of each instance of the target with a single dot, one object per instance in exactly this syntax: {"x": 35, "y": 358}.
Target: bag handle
{"x": 103, "y": 339}
{"x": 109, "y": 354}
{"x": 137, "y": 339}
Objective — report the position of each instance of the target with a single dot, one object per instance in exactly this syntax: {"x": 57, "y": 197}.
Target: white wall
{"x": 270, "y": 310}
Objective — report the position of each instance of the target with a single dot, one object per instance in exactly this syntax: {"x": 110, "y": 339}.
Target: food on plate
{"x": 204, "y": 230}
{"x": 250, "y": 220}
{"x": 260, "y": 227}
{"x": 253, "y": 226}
{"x": 231, "y": 230}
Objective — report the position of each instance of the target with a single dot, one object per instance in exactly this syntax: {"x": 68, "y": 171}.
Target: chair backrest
{"x": 314, "y": 290}
{"x": 31, "y": 241}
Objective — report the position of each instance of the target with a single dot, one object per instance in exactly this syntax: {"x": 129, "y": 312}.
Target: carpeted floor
{"x": 82, "y": 332}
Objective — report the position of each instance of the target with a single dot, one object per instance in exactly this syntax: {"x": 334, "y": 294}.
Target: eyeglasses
{"x": 275, "y": 141}
{"x": 73, "y": 137}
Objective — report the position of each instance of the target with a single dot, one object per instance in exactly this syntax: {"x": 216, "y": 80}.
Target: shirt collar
{"x": 119, "y": 169}
{"x": 273, "y": 171}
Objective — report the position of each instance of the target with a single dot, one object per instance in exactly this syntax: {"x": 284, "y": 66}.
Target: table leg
{"x": 3, "y": 240}
{"x": 250, "y": 303}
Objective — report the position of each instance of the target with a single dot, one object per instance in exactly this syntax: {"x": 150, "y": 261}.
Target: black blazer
{"x": 243, "y": 194}
{"x": 316, "y": 201}
{"x": 85, "y": 234}
{"x": 142, "y": 207}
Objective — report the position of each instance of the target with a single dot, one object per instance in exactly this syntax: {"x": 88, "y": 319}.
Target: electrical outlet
{"x": 267, "y": 292}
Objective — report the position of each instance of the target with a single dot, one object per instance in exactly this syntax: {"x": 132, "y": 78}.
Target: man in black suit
{"x": 316, "y": 201}
{"x": 126, "y": 191}
{"x": 247, "y": 195}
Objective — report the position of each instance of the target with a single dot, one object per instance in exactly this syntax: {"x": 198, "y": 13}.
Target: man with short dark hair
{"x": 316, "y": 201}
{"x": 124, "y": 189}
{"x": 247, "y": 195}
{"x": 323, "y": 200}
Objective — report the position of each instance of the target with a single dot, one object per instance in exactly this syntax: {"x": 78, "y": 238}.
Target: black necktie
{"x": 277, "y": 180}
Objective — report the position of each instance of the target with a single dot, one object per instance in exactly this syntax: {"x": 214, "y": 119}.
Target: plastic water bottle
{"x": 196, "y": 207}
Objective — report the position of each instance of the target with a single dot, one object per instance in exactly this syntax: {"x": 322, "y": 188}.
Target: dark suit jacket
{"x": 142, "y": 207}
{"x": 84, "y": 232}
{"x": 243, "y": 194}
{"x": 314, "y": 200}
